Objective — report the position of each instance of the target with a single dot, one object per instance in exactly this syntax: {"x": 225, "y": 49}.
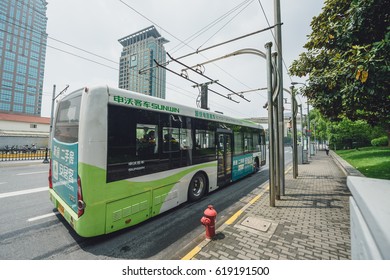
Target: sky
{"x": 83, "y": 48}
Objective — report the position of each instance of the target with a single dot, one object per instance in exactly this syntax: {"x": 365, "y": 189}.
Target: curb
{"x": 347, "y": 168}
{"x": 22, "y": 163}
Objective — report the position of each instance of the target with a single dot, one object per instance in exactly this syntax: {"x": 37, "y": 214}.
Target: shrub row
{"x": 381, "y": 141}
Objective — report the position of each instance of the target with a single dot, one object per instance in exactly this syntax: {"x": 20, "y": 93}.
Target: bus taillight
{"x": 50, "y": 177}
{"x": 80, "y": 201}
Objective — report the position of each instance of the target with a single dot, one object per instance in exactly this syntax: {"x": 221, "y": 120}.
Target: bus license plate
{"x": 61, "y": 209}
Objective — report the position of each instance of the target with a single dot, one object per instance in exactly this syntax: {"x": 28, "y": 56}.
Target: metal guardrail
{"x": 22, "y": 154}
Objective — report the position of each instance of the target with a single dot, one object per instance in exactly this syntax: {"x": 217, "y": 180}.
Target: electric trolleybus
{"x": 119, "y": 157}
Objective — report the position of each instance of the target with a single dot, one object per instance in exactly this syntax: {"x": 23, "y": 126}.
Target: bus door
{"x": 224, "y": 152}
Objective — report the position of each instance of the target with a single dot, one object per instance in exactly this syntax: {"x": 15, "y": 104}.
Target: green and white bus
{"x": 119, "y": 157}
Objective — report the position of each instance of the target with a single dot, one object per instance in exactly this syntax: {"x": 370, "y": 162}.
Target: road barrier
{"x": 21, "y": 154}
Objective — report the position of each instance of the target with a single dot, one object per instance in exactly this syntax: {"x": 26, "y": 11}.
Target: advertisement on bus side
{"x": 64, "y": 172}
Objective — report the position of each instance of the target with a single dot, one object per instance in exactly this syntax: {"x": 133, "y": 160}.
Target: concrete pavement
{"x": 310, "y": 222}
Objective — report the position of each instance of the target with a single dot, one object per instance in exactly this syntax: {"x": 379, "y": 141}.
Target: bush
{"x": 378, "y": 142}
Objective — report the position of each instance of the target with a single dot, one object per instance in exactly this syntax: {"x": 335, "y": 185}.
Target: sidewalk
{"x": 310, "y": 222}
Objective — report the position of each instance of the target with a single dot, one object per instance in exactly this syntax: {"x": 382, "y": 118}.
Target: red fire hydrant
{"x": 209, "y": 221}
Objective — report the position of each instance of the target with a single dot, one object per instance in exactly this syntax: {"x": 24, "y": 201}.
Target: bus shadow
{"x": 173, "y": 233}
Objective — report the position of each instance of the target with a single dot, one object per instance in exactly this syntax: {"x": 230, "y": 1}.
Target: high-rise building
{"x": 140, "y": 49}
{"x": 23, "y": 40}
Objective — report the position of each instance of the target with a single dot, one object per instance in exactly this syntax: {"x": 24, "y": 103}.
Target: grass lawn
{"x": 373, "y": 162}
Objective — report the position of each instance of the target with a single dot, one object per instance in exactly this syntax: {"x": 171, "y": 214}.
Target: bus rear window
{"x": 66, "y": 128}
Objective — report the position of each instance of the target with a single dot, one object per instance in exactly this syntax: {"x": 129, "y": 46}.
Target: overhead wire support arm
{"x": 185, "y": 77}
{"x": 229, "y": 41}
{"x": 227, "y": 97}
{"x": 214, "y": 46}
{"x": 247, "y": 91}
{"x": 203, "y": 75}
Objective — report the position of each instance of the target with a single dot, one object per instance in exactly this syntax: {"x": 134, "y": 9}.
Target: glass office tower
{"x": 139, "y": 51}
{"x": 23, "y": 40}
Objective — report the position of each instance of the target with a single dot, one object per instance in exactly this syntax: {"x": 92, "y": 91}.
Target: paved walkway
{"x": 310, "y": 222}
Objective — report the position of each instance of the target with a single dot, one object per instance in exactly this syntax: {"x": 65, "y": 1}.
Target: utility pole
{"x": 280, "y": 140}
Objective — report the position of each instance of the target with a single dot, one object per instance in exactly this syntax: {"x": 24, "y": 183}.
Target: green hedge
{"x": 381, "y": 141}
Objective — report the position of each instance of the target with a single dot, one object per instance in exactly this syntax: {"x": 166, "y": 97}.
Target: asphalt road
{"x": 31, "y": 229}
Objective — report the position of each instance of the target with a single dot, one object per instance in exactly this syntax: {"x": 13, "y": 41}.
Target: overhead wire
{"x": 145, "y": 17}
{"x": 39, "y": 32}
{"x": 58, "y": 49}
{"x": 90, "y": 60}
{"x": 86, "y": 51}
{"x": 207, "y": 27}
{"x": 52, "y": 38}
{"x": 250, "y": 2}
{"x": 79, "y": 56}
{"x": 216, "y": 82}
{"x": 139, "y": 13}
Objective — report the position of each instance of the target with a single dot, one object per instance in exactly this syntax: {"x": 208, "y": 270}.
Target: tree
{"x": 344, "y": 134}
{"x": 319, "y": 126}
{"x": 347, "y": 61}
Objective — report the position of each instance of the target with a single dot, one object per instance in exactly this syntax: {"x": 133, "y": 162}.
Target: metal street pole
{"x": 294, "y": 132}
{"x": 52, "y": 103}
{"x": 277, "y": 132}
{"x": 308, "y": 126}
{"x": 300, "y": 105}
{"x": 278, "y": 31}
{"x": 309, "y": 131}
{"x": 270, "y": 126}
{"x": 52, "y": 108}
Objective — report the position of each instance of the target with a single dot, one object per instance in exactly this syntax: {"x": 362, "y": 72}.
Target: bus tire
{"x": 197, "y": 187}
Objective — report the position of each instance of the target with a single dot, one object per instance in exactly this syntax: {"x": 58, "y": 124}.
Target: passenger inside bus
{"x": 147, "y": 145}
{"x": 170, "y": 143}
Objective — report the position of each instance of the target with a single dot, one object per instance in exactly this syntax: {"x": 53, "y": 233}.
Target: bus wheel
{"x": 197, "y": 187}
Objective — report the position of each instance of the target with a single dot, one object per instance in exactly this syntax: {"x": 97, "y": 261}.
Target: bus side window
{"x": 248, "y": 142}
{"x": 185, "y": 139}
{"x": 146, "y": 140}
{"x": 171, "y": 139}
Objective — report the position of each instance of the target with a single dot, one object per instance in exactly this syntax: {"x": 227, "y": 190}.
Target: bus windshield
{"x": 67, "y": 121}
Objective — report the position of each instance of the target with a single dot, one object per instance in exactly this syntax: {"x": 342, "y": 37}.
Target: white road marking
{"x": 9, "y": 194}
{"x": 31, "y": 173}
{"x": 2, "y": 183}
{"x": 42, "y": 217}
